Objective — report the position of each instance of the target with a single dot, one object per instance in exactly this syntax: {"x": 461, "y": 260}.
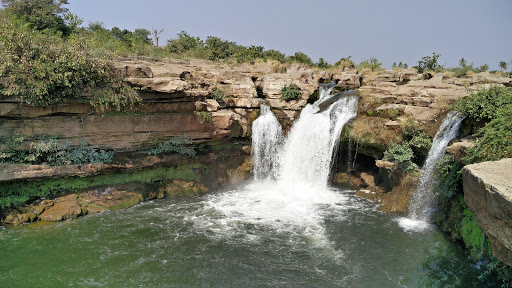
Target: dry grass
{"x": 372, "y": 130}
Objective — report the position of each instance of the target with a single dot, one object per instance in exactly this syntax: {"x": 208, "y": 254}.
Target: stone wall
{"x": 488, "y": 193}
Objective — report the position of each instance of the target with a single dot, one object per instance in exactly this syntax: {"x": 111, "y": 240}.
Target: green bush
{"x": 484, "y": 104}
{"x": 473, "y": 237}
{"x": 249, "y": 54}
{"x": 175, "y": 144}
{"x": 322, "y": 64}
{"x": 370, "y": 63}
{"x": 290, "y": 92}
{"x": 401, "y": 155}
{"x": 345, "y": 63}
{"x": 184, "y": 44}
{"x": 495, "y": 142}
{"x": 449, "y": 172}
{"x": 219, "y": 49}
{"x": 41, "y": 69}
{"x": 203, "y": 116}
{"x": 217, "y": 94}
{"x": 429, "y": 63}
{"x": 41, "y": 14}
{"x": 301, "y": 57}
{"x": 51, "y": 151}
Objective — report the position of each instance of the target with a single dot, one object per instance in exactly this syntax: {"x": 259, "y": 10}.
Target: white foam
{"x": 413, "y": 225}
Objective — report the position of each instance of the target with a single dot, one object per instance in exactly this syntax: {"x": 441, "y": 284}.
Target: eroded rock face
{"x": 488, "y": 193}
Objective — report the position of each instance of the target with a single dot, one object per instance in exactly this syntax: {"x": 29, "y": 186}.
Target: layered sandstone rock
{"x": 488, "y": 193}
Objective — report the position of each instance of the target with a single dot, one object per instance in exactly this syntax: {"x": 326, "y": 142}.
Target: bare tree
{"x": 155, "y": 34}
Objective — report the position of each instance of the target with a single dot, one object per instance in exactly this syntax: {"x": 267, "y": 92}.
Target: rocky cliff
{"x": 178, "y": 99}
{"x": 488, "y": 193}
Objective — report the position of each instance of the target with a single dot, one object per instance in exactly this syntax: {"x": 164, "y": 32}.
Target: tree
{"x": 463, "y": 63}
{"x": 503, "y": 65}
{"x": 302, "y": 58}
{"x": 429, "y": 63}
{"x": 41, "y": 14}
{"x": 484, "y": 68}
{"x": 323, "y": 64}
{"x": 156, "y": 36}
{"x": 184, "y": 43}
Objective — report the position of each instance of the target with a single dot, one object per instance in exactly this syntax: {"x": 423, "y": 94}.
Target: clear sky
{"x": 391, "y": 30}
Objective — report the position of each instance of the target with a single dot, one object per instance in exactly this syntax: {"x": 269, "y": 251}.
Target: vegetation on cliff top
{"x": 43, "y": 68}
{"x": 493, "y": 105}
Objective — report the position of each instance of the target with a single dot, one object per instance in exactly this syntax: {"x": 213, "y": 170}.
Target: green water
{"x": 209, "y": 242}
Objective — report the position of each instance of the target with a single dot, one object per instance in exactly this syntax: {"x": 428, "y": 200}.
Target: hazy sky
{"x": 393, "y": 30}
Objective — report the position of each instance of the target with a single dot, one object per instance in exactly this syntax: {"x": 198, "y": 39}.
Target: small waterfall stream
{"x": 421, "y": 203}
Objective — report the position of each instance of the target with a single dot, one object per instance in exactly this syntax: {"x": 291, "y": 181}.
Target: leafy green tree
{"x": 301, "y": 57}
{"x": 184, "y": 43}
{"x": 370, "y": 63}
{"x": 219, "y": 49}
{"x": 429, "y": 63}
{"x": 484, "y": 68}
{"x": 275, "y": 55}
{"x": 463, "y": 63}
{"x": 503, "y": 65}
{"x": 322, "y": 64}
{"x": 96, "y": 26}
{"x": 249, "y": 54}
{"x": 40, "y": 14}
{"x": 41, "y": 69}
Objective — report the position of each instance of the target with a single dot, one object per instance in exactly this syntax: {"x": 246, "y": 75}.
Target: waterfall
{"x": 420, "y": 205}
{"x": 267, "y": 136}
{"x": 305, "y": 155}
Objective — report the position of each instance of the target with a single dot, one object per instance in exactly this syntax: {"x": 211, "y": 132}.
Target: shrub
{"x": 301, "y": 57}
{"x": 203, "y": 116}
{"x": 402, "y": 155}
{"x": 495, "y": 142}
{"x": 275, "y": 55}
{"x": 345, "y": 63}
{"x": 219, "y": 49}
{"x": 473, "y": 237}
{"x": 449, "y": 172}
{"x": 184, "y": 43}
{"x": 484, "y": 103}
{"x": 290, "y": 92}
{"x": 217, "y": 94}
{"x": 175, "y": 144}
{"x": 429, "y": 63}
{"x": 41, "y": 14}
{"x": 43, "y": 70}
{"x": 249, "y": 54}
{"x": 323, "y": 64}
{"x": 371, "y": 63}
{"x": 51, "y": 151}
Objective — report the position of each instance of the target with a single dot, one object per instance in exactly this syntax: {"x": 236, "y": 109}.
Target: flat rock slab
{"x": 64, "y": 208}
{"x": 488, "y": 193}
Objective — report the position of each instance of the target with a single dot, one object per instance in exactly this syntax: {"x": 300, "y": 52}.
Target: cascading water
{"x": 267, "y": 136}
{"x": 308, "y": 150}
{"x": 420, "y": 206}
{"x": 291, "y": 173}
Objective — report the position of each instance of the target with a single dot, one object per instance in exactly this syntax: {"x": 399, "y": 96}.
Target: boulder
{"x": 459, "y": 149}
{"x": 488, "y": 193}
{"x": 98, "y": 201}
{"x": 66, "y": 207}
{"x": 398, "y": 199}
